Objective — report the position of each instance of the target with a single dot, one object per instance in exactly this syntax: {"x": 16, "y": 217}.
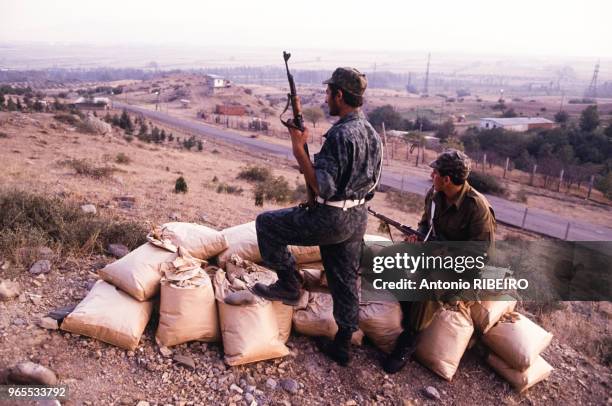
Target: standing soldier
{"x": 454, "y": 211}
{"x": 343, "y": 177}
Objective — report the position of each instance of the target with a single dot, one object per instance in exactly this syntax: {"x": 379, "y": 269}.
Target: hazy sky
{"x": 551, "y": 27}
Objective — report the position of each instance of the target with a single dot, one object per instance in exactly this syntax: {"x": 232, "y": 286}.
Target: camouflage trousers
{"x": 338, "y": 233}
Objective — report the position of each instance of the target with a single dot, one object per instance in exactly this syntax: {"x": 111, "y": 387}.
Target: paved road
{"x": 540, "y": 221}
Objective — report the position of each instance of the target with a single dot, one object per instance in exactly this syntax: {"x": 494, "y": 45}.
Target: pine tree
{"x": 10, "y": 105}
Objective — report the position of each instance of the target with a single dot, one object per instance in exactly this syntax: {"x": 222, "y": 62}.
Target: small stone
{"x": 89, "y": 209}
{"x": 45, "y": 253}
{"x": 432, "y": 393}
{"x": 250, "y": 388}
{"x": 185, "y": 361}
{"x": 142, "y": 403}
{"x": 249, "y": 398}
{"x": 350, "y": 403}
{"x": 31, "y": 373}
{"x": 61, "y": 312}
{"x": 271, "y": 383}
{"x": 175, "y": 216}
{"x": 9, "y": 290}
{"x": 165, "y": 351}
{"x": 40, "y": 267}
{"x": 117, "y": 250}
{"x": 48, "y": 323}
{"x": 408, "y": 402}
{"x": 290, "y": 385}
{"x": 236, "y": 388}
{"x": 19, "y": 322}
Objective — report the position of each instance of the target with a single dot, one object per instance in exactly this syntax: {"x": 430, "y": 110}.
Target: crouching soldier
{"x": 343, "y": 176}
{"x": 454, "y": 211}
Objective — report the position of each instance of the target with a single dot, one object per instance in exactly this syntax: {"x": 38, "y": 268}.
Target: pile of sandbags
{"x": 187, "y": 310}
{"x": 253, "y": 329}
{"x": 516, "y": 343}
{"x": 442, "y": 343}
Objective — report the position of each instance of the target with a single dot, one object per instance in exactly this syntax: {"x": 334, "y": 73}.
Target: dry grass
{"x": 29, "y": 221}
{"x": 582, "y": 325}
{"x": 405, "y": 201}
{"x": 86, "y": 167}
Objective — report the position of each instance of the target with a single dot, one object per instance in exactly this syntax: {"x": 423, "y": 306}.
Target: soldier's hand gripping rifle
{"x": 297, "y": 121}
{"x": 406, "y": 230}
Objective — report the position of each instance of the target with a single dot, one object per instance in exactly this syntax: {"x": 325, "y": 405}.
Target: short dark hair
{"x": 350, "y": 99}
{"x": 456, "y": 180}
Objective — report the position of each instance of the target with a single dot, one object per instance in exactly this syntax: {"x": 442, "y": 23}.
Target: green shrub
{"x": 122, "y": 158}
{"x": 255, "y": 174}
{"x": 87, "y": 168}
{"x": 229, "y": 189}
{"x": 180, "y": 186}
{"x": 276, "y": 189}
{"x": 486, "y": 183}
{"x": 67, "y": 118}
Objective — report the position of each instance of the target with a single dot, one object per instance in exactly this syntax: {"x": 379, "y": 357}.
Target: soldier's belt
{"x": 342, "y": 204}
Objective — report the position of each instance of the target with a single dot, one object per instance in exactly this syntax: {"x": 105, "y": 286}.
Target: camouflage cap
{"x": 350, "y": 80}
{"x": 452, "y": 163}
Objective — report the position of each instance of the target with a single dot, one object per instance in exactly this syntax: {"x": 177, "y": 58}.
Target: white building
{"x": 216, "y": 81}
{"x": 516, "y": 123}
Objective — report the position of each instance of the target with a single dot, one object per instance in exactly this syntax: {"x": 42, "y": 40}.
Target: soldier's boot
{"x": 404, "y": 347}
{"x": 337, "y": 349}
{"x": 278, "y": 291}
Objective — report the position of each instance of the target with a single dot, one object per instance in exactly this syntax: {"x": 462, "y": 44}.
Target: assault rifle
{"x": 406, "y": 230}
{"x": 298, "y": 119}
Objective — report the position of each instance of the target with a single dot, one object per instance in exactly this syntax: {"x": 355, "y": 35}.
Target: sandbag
{"x": 138, "y": 273}
{"x": 422, "y": 313}
{"x": 200, "y": 241}
{"x": 537, "y": 372}
{"x": 442, "y": 344}
{"x": 250, "y": 332}
{"x": 109, "y": 315}
{"x": 270, "y": 320}
{"x": 517, "y": 340}
{"x": 314, "y": 280}
{"x": 187, "y": 309}
{"x": 242, "y": 241}
{"x": 381, "y": 322}
{"x": 243, "y": 275}
{"x": 317, "y": 319}
{"x": 486, "y": 313}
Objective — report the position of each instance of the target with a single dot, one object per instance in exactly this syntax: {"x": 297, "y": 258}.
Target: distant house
{"x": 216, "y": 82}
{"x": 516, "y": 123}
{"x": 230, "y": 110}
{"x": 184, "y": 103}
{"x": 95, "y": 103}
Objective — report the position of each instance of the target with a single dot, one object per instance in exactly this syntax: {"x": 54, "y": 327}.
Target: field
{"x": 43, "y": 156}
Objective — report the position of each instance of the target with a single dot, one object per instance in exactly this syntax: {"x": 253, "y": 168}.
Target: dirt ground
{"x": 100, "y": 374}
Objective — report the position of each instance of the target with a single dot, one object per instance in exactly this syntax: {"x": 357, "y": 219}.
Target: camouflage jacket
{"x": 349, "y": 162}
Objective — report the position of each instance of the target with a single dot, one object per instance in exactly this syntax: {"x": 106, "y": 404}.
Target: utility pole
{"x": 592, "y": 89}
{"x": 426, "y": 87}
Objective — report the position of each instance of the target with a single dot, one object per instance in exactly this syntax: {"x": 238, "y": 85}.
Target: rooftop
{"x": 518, "y": 120}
